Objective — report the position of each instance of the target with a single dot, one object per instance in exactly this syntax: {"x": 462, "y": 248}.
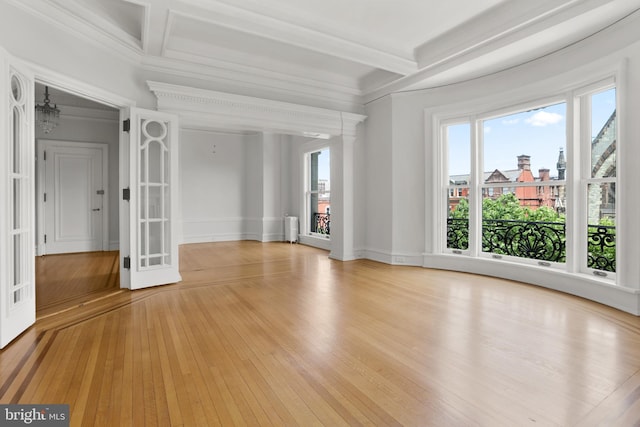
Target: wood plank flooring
{"x": 67, "y": 280}
{"x": 278, "y": 334}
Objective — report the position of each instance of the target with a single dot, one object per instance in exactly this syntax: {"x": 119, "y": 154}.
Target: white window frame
{"x": 305, "y": 222}
{"x": 582, "y": 106}
{"x": 578, "y": 122}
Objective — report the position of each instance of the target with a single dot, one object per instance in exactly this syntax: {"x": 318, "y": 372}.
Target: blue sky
{"x": 323, "y": 164}
{"x": 538, "y": 133}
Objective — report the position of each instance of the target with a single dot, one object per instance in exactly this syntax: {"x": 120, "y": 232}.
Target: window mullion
{"x": 574, "y": 217}
{"x": 475, "y": 190}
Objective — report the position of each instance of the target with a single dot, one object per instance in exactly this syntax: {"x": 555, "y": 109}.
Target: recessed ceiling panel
{"x": 210, "y": 40}
{"x": 129, "y": 17}
{"x": 393, "y": 26}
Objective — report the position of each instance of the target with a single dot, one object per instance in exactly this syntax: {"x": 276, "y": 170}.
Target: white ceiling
{"x": 347, "y": 50}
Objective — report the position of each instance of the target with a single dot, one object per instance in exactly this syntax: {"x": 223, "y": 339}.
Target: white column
{"x": 342, "y": 204}
{"x": 272, "y": 218}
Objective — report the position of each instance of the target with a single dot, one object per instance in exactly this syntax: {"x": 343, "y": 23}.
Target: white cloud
{"x": 510, "y": 122}
{"x": 487, "y": 129}
{"x": 542, "y": 118}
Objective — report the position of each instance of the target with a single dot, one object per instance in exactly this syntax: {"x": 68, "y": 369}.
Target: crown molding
{"x": 514, "y": 50}
{"x": 240, "y": 78}
{"x": 220, "y": 110}
{"x": 239, "y": 19}
{"x": 118, "y": 41}
{"x": 516, "y": 21}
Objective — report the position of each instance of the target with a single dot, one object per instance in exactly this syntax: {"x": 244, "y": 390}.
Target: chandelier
{"x": 47, "y": 117}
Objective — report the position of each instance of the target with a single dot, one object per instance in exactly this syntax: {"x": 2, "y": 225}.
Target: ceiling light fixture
{"x": 47, "y": 117}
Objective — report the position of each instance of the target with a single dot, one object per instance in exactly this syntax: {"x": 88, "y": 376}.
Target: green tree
{"x": 529, "y": 233}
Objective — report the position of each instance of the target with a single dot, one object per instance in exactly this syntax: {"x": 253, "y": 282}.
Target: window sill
{"x": 315, "y": 241}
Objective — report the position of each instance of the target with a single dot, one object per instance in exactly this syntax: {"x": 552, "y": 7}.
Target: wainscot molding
{"x": 267, "y": 229}
{"x": 601, "y": 291}
{"x": 201, "y": 108}
{"x": 232, "y": 229}
{"x": 213, "y": 230}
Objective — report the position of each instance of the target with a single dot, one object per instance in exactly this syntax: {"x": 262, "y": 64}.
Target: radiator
{"x": 291, "y": 229}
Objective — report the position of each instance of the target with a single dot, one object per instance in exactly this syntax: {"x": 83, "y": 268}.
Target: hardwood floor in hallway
{"x": 67, "y": 280}
{"x": 279, "y": 334}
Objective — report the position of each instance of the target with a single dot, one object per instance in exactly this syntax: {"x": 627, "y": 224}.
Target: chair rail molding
{"x": 208, "y": 109}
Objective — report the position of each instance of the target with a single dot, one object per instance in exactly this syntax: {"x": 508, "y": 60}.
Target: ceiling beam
{"x": 232, "y": 17}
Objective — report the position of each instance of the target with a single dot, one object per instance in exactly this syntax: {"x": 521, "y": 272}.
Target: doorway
{"x": 72, "y": 208}
{"x": 77, "y": 212}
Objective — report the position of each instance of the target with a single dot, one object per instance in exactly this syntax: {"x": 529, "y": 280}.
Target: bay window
{"x": 534, "y": 184}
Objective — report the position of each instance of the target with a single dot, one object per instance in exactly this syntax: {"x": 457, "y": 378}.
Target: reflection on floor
{"x": 68, "y": 280}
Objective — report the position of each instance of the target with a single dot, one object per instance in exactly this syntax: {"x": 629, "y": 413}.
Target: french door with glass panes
{"x": 17, "y": 271}
{"x": 151, "y": 235}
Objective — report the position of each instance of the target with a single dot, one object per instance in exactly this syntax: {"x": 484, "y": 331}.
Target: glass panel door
{"x": 153, "y": 180}
{"x": 17, "y": 290}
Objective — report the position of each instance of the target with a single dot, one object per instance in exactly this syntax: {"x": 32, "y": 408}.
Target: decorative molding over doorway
{"x": 207, "y": 109}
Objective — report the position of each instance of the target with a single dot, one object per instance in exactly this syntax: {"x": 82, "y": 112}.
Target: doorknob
{"x": 96, "y": 209}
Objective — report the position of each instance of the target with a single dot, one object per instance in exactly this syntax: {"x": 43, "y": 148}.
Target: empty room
{"x": 235, "y": 212}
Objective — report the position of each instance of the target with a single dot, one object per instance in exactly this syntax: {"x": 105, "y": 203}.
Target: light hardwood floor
{"x": 68, "y": 280}
{"x": 278, "y": 334}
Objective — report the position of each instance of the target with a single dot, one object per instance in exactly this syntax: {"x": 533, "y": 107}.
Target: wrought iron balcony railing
{"x": 321, "y": 223}
{"x": 544, "y": 241}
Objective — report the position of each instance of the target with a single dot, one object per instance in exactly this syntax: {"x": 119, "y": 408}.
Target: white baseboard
{"x": 623, "y": 298}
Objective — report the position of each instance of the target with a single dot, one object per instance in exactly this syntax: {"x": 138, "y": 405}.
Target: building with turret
{"x": 549, "y": 193}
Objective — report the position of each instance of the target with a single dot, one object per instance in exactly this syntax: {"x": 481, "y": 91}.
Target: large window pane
{"x": 458, "y": 218}
{"x": 603, "y": 134}
{"x": 523, "y": 188}
{"x": 459, "y": 173}
{"x": 524, "y": 146}
{"x": 601, "y": 243}
{"x": 320, "y": 192}
{"x": 601, "y": 190}
{"x": 513, "y": 226}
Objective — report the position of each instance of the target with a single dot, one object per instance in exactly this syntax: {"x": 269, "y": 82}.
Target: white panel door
{"x": 153, "y": 204}
{"x": 73, "y": 196}
{"x": 17, "y": 254}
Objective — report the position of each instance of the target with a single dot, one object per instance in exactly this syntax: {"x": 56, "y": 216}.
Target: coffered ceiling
{"x": 350, "y": 50}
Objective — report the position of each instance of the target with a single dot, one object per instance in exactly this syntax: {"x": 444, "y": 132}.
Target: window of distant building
{"x": 524, "y": 199}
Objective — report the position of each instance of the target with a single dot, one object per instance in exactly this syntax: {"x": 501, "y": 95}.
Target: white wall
{"x": 72, "y": 57}
{"x": 234, "y": 186}
{"x": 408, "y": 172}
{"x": 378, "y": 239}
{"x": 412, "y": 194}
{"x": 77, "y": 128}
{"x": 215, "y": 174}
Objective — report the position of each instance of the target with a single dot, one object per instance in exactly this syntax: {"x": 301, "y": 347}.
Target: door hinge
{"x": 100, "y": 192}
{"x": 126, "y": 263}
{"x": 45, "y": 156}
{"x": 126, "y": 194}
{"x": 45, "y": 197}
{"x": 45, "y": 238}
{"x": 126, "y": 125}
